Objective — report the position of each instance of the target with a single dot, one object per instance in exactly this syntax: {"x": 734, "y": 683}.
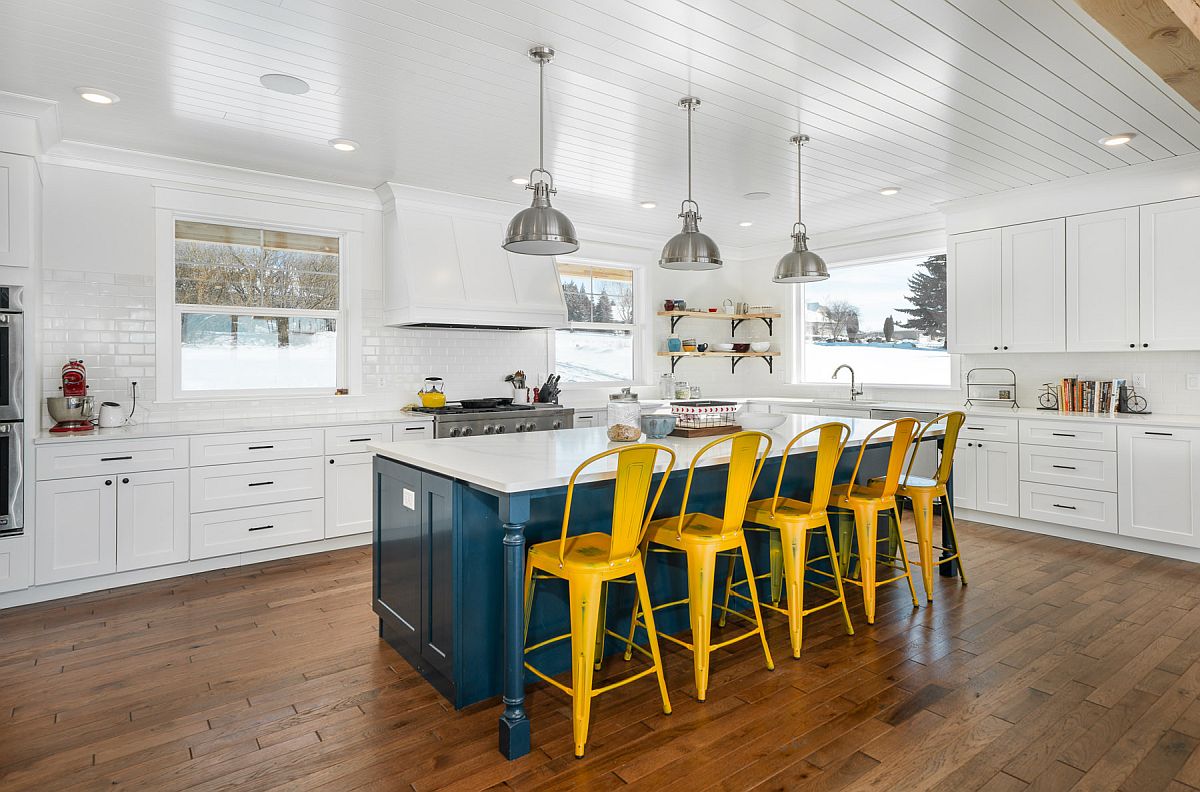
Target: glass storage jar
{"x": 624, "y": 417}
{"x": 666, "y": 387}
{"x": 682, "y": 391}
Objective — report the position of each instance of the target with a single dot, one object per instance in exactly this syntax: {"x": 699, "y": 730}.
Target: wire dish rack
{"x": 706, "y": 414}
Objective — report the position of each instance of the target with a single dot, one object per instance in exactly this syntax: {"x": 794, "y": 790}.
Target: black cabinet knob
{"x": 108, "y": 483}
{"x": 996, "y": 347}
{"x": 1006, "y": 347}
{"x": 124, "y": 481}
{"x": 331, "y": 461}
{"x": 1131, "y": 346}
{"x": 1144, "y": 346}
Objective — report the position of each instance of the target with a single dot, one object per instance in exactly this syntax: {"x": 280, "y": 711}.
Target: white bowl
{"x": 759, "y": 420}
{"x": 723, "y": 347}
{"x": 760, "y": 346}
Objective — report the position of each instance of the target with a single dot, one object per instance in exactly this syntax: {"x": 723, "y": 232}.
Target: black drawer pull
{"x": 977, "y": 428}
{"x": 1161, "y": 434}
{"x": 260, "y": 448}
{"x": 262, "y": 528}
{"x": 358, "y": 439}
{"x": 1060, "y": 506}
{"x": 1061, "y": 434}
{"x": 1064, "y": 467}
{"x": 414, "y": 428}
{"x": 259, "y": 483}
{"x": 115, "y": 459}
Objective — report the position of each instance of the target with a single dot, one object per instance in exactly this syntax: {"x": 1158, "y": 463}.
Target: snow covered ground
{"x": 898, "y": 363}
{"x": 250, "y": 367}
{"x": 582, "y": 356}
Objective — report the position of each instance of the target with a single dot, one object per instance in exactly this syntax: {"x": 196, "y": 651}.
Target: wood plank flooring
{"x": 1062, "y": 666}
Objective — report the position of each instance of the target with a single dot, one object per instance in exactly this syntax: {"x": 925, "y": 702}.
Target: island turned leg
{"x": 514, "y": 723}
{"x": 950, "y": 568}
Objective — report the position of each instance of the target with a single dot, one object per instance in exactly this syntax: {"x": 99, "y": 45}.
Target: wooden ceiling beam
{"x": 1163, "y": 34}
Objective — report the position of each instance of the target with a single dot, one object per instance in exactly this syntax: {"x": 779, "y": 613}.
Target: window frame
{"x": 637, "y": 328}
{"x": 797, "y": 304}
{"x": 172, "y": 388}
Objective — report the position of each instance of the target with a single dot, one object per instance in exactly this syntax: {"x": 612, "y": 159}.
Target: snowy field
{"x": 902, "y": 362}
{"x": 250, "y": 367}
{"x": 593, "y": 357}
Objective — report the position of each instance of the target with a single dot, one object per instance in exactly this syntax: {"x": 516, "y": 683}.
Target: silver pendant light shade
{"x": 801, "y": 265}
{"x": 690, "y": 249}
{"x": 541, "y": 230}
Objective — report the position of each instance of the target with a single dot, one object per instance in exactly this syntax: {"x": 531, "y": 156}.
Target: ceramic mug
{"x": 668, "y": 305}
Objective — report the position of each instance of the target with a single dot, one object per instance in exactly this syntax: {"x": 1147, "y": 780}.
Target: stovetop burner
{"x": 459, "y": 410}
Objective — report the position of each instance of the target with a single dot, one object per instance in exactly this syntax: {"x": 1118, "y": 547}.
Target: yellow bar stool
{"x": 796, "y": 521}
{"x": 589, "y": 561}
{"x": 923, "y": 491}
{"x": 702, "y": 537}
{"x": 867, "y": 502}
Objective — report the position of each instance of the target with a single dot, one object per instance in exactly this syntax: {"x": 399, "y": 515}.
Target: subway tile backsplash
{"x": 109, "y": 320}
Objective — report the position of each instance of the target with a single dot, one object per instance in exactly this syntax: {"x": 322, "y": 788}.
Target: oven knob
{"x": 557, "y": 425}
{"x": 489, "y": 429}
{"x": 520, "y": 427}
{"x": 530, "y": 427}
{"x": 500, "y": 429}
{"x": 467, "y": 431}
{"x": 455, "y": 432}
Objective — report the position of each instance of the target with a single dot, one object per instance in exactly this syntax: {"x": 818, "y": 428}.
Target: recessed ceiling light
{"x": 97, "y": 96}
{"x": 889, "y": 191}
{"x": 647, "y": 204}
{"x": 284, "y": 83}
{"x": 342, "y": 144}
{"x": 746, "y": 223}
{"x": 1119, "y": 139}
{"x": 757, "y": 196}
{"x": 521, "y": 180}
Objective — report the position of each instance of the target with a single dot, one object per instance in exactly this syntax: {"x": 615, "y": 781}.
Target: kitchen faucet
{"x": 854, "y": 392}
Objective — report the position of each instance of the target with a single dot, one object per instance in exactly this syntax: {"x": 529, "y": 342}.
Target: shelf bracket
{"x": 733, "y": 364}
{"x": 733, "y": 325}
{"x": 674, "y": 321}
{"x": 674, "y": 362}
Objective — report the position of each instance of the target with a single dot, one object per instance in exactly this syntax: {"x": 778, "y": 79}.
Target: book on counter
{"x": 1084, "y": 395}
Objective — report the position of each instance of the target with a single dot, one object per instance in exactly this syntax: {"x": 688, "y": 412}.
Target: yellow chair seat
{"x": 787, "y": 510}
{"x": 912, "y": 482}
{"x": 840, "y": 495}
{"x": 697, "y": 527}
{"x": 582, "y": 553}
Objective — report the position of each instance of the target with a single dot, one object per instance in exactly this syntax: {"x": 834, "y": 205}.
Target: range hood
{"x": 443, "y": 266}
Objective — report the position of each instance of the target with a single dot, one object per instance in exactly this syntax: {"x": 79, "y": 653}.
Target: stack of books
{"x": 1081, "y": 395}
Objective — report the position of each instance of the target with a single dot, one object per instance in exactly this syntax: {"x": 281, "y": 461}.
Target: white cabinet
{"x": 973, "y": 291}
{"x": 18, "y": 207}
{"x": 15, "y": 562}
{"x": 228, "y": 531}
{"x": 1158, "y": 471}
{"x": 152, "y": 519}
{"x": 785, "y": 408}
{"x": 986, "y": 477}
{"x": 1103, "y": 312}
{"x": 353, "y": 439}
{"x": 845, "y": 412}
{"x": 254, "y": 483}
{"x": 223, "y": 449}
{"x": 348, "y": 494}
{"x": 76, "y": 532}
{"x": 412, "y": 430}
{"x": 587, "y": 418}
{"x": 1032, "y": 263}
{"x": 1170, "y": 275}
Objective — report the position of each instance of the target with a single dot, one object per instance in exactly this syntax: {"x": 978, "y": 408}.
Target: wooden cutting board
{"x": 706, "y": 431}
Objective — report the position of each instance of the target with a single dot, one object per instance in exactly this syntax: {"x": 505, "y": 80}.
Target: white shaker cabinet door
{"x": 973, "y": 291}
{"x": 18, "y": 205}
{"x": 966, "y": 476}
{"x": 348, "y": 496}
{"x": 1102, "y": 281}
{"x": 997, "y": 478}
{"x": 1033, "y": 263}
{"x": 1157, "y": 492}
{"x": 1170, "y": 275}
{"x": 152, "y": 519}
{"x": 76, "y": 528}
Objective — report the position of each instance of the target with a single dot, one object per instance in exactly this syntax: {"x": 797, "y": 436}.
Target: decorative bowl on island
{"x": 657, "y": 427}
{"x": 759, "y": 421}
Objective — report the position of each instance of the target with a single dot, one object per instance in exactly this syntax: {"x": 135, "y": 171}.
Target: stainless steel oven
{"x": 12, "y": 399}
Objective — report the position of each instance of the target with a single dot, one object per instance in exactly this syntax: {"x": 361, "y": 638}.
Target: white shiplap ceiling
{"x": 942, "y": 98}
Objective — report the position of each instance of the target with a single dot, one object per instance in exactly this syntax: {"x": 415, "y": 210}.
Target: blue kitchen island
{"x": 452, "y": 521}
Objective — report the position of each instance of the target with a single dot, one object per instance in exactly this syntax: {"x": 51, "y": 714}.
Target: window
{"x": 887, "y": 320}
{"x": 256, "y": 310}
{"x": 601, "y": 338}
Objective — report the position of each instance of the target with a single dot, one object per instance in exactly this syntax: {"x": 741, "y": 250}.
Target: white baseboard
{"x": 71, "y": 588}
{"x": 1082, "y": 535}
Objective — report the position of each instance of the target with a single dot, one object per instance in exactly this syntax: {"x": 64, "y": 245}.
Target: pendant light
{"x": 801, "y": 265}
{"x": 541, "y": 230}
{"x": 690, "y": 249}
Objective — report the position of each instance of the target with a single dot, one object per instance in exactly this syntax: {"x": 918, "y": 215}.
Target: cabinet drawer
{"x": 1069, "y": 434}
{"x": 1070, "y": 467}
{"x": 354, "y": 439}
{"x": 221, "y": 449}
{"x": 255, "y": 483}
{"x": 976, "y": 427}
{"x": 256, "y": 528}
{"x": 106, "y": 457}
{"x": 14, "y": 562}
{"x": 1096, "y": 511}
{"x": 412, "y": 430}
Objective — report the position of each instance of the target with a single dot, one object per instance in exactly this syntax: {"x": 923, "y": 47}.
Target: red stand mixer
{"x": 73, "y": 410}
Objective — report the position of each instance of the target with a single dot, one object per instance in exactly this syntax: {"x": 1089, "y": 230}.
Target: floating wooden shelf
{"x": 734, "y": 319}
{"x": 736, "y": 357}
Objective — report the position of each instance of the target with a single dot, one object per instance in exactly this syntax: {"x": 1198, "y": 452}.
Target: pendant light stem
{"x": 799, "y": 141}
{"x": 542, "y": 115}
{"x": 689, "y": 135}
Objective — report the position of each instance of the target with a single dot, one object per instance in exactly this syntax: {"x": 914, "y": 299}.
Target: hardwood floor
{"x": 1062, "y": 666}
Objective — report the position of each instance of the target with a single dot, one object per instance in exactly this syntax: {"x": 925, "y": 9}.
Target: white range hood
{"x": 443, "y": 266}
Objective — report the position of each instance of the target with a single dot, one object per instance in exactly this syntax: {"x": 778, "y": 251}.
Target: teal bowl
{"x": 658, "y": 426}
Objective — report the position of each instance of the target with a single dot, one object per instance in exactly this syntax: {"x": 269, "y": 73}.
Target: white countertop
{"x": 169, "y": 428}
{"x": 540, "y": 460}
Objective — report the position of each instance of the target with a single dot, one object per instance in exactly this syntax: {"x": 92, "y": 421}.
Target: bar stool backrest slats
{"x": 902, "y": 434}
{"x": 831, "y": 441}
{"x": 747, "y": 454}
{"x": 953, "y": 422}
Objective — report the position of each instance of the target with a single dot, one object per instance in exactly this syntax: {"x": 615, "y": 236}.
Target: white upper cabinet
{"x": 1102, "y": 281}
{"x": 1170, "y": 275}
{"x": 1034, "y": 280}
{"x": 973, "y": 288}
{"x": 18, "y": 199}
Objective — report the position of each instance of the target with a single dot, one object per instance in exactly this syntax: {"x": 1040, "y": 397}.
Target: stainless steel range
{"x": 457, "y": 421}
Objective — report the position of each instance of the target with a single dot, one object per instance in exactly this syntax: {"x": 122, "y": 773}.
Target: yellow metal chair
{"x": 702, "y": 537}
{"x": 590, "y": 561}
{"x": 923, "y": 491}
{"x": 867, "y": 502}
{"x": 794, "y": 522}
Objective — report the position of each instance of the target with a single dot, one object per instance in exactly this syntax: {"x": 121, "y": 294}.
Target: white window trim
{"x": 243, "y": 212}
{"x": 795, "y": 360}
{"x": 643, "y": 364}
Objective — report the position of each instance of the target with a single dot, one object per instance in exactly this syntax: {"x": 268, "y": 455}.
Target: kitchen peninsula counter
{"x": 452, "y": 518}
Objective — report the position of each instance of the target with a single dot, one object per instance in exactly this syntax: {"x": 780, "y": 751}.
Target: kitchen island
{"x": 452, "y": 518}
